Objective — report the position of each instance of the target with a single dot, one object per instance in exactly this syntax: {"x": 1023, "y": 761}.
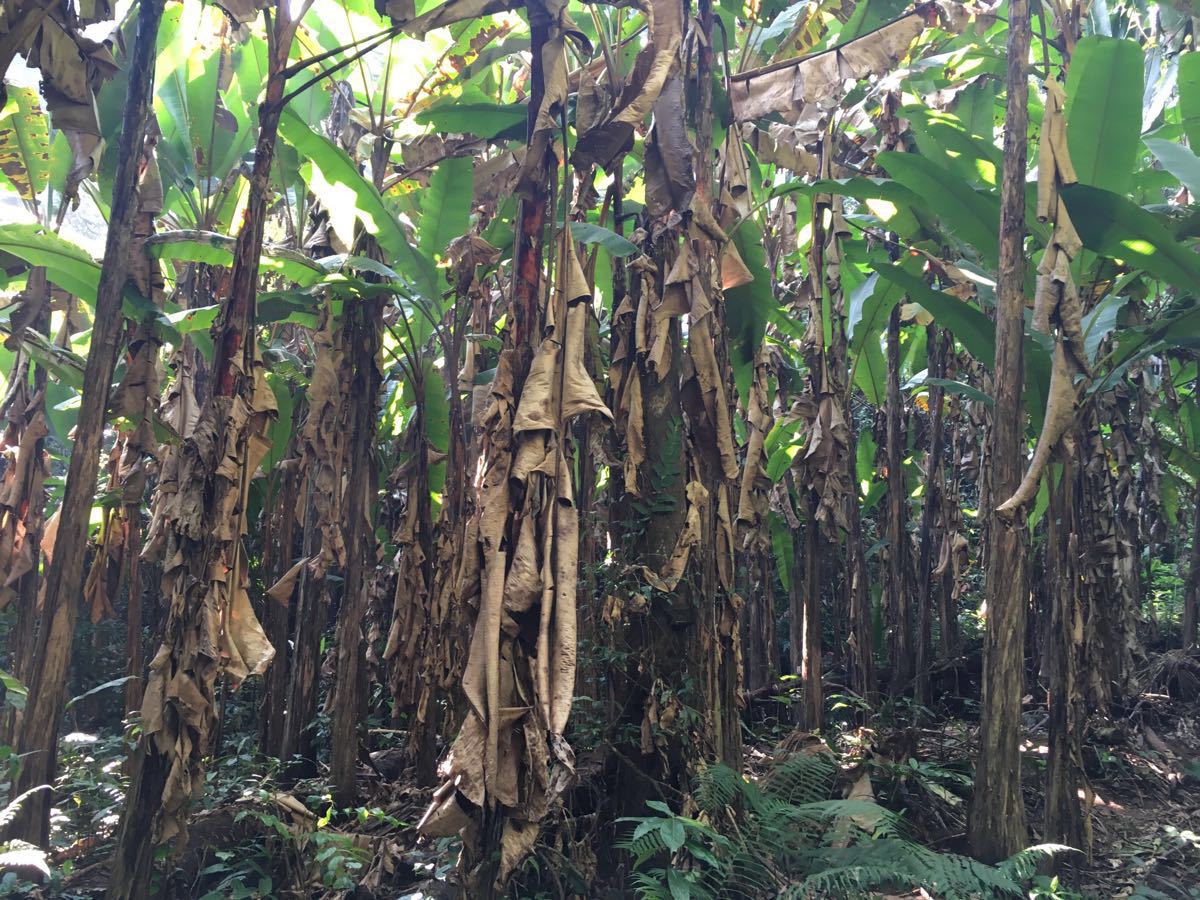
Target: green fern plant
{"x": 785, "y": 836}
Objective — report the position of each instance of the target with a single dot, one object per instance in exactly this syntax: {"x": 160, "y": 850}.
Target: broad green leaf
{"x": 1189, "y": 96}
{"x": 1183, "y": 459}
{"x": 750, "y": 306}
{"x": 1041, "y": 501}
{"x": 342, "y": 262}
{"x": 864, "y": 460}
{"x": 678, "y": 884}
{"x": 1115, "y": 227}
{"x": 869, "y": 368}
{"x": 952, "y": 387}
{"x": 187, "y": 321}
{"x": 1179, "y": 161}
{"x": 672, "y": 833}
{"x": 976, "y": 108}
{"x": 101, "y": 688}
{"x": 1100, "y": 322}
{"x": 615, "y": 244}
{"x": 971, "y": 327}
{"x": 67, "y": 265}
{"x": 435, "y": 427}
{"x": 867, "y": 16}
{"x": 967, "y": 214}
{"x": 481, "y": 118}
{"x": 348, "y": 196}
{"x": 870, "y": 306}
{"x": 281, "y": 427}
{"x": 1104, "y": 110}
{"x": 15, "y": 692}
{"x": 445, "y": 206}
{"x": 217, "y": 249}
{"x": 24, "y": 143}
{"x": 185, "y": 99}
{"x": 871, "y": 303}
{"x": 942, "y": 137}
{"x": 889, "y": 201}
{"x": 781, "y": 547}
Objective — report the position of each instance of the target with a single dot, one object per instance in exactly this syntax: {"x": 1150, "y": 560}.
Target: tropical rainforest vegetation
{"x": 585, "y": 449}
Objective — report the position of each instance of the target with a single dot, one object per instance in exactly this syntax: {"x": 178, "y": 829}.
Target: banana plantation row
{"x": 537, "y": 403}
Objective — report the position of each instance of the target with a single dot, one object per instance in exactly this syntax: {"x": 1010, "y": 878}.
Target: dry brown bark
{"x": 996, "y": 825}
{"x": 22, "y": 494}
{"x": 1068, "y": 796}
{"x": 279, "y": 546}
{"x": 510, "y": 762}
{"x": 197, "y": 529}
{"x": 362, "y": 350}
{"x": 39, "y": 726}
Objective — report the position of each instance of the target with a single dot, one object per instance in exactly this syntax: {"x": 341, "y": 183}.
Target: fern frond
{"x": 804, "y": 778}
{"x": 1024, "y": 865}
{"x": 784, "y": 837}
{"x": 848, "y": 883}
{"x": 717, "y": 787}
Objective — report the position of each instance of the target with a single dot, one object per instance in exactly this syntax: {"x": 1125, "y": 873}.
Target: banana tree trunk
{"x": 934, "y": 486}
{"x": 363, "y": 338}
{"x": 210, "y": 626}
{"x": 24, "y": 414}
{"x": 38, "y": 737}
{"x": 899, "y": 599}
{"x": 996, "y": 825}
{"x": 1191, "y": 600}
{"x": 1068, "y": 797}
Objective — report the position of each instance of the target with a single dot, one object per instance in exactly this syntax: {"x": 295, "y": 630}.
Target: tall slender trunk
{"x": 1067, "y": 792}
{"x": 134, "y": 657}
{"x": 363, "y": 338}
{"x": 1191, "y": 597}
{"x": 312, "y": 613}
{"x": 280, "y": 545}
{"x": 899, "y": 605}
{"x": 810, "y": 666}
{"x": 674, "y": 521}
{"x": 949, "y": 516}
{"x": 38, "y": 738}
{"x": 206, "y": 528}
{"x": 798, "y": 578}
{"x": 929, "y": 511}
{"x": 996, "y": 826}
{"x": 861, "y": 659}
{"x": 26, "y": 427}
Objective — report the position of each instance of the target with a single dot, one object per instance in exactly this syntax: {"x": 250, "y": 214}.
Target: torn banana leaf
{"x": 816, "y": 80}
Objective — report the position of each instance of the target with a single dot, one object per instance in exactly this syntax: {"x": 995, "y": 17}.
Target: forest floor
{"x": 263, "y": 841}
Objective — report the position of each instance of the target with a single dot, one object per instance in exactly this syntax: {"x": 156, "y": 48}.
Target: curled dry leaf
{"x": 210, "y": 625}
{"x": 787, "y": 87}
{"x": 24, "y": 473}
{"x": 1057, "y": 302}
{"x": 73, "y": 68}
{"x": 554, "y": 98}
{"x": 509, "y": 752}
{"x": 655, "y": 64}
